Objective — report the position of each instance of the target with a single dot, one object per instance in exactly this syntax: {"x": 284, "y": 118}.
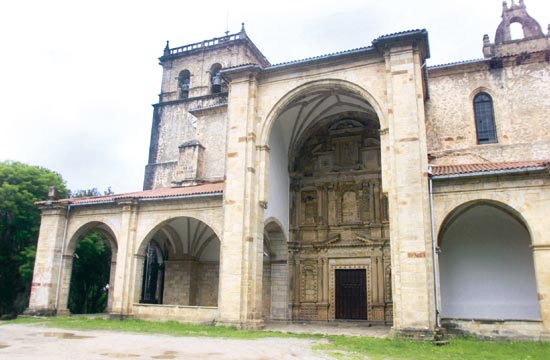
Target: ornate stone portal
{"x": 339, "y": 252}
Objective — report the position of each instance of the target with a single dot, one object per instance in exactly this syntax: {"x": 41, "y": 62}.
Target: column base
{"x": 248, "y": 325}
{"x": 63, "y": 312}
{"x": 118, "y": 316}
{"x": 545, "y": 336}
{"x": 39, "y": 312}
{"x": 413, "y": 334}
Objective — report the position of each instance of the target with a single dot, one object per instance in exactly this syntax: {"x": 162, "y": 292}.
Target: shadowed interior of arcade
{"x": 180, "y": 264}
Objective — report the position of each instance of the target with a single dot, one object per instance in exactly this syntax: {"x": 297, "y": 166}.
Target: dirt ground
{"x": 33, "y": 341}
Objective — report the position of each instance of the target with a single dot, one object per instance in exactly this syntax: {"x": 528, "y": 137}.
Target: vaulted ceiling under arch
{"x": 312, "y": 107}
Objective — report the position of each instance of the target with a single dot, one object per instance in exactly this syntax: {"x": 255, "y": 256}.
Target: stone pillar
{"x": 48, "y": 254}
{"x": 406, "y": 178}
{"x": 541, "y": 257}
{"x": 65, "y": 285}
{"x": 125, "y": 273}
{"x": 111, "y": 282}
{"x": 241, "y": 253}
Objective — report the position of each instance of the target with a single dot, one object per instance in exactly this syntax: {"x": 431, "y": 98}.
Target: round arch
{"x": 451, "y": 214}
{"x": 275, "y": 272}
{"x": 486, "y": 263}
{"x": 99, "y": 226}
{"x": 275, "y": 224}
{"x": 109, "y": 236}
{"x": 177, "y": 263}
{"x": 320, "y": 151}
{"x": 289, "y": 121}
{"x": 147, "y": 233}
{"x": 325, "y": 84}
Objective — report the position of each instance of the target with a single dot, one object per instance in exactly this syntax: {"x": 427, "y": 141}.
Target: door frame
{"x": 349, "y": 264}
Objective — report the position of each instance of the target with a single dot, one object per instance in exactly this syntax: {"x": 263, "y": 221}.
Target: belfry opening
{"x": 325, "y": 188}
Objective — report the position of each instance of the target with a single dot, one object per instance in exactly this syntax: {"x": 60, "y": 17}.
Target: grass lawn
{"x": 341, "y": 347}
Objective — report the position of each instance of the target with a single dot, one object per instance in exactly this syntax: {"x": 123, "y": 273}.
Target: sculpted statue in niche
{"x": 349, "y": 207}
{"x": 309, "y": 202}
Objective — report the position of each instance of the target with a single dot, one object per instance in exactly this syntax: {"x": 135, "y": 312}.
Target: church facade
{"x": 361, "y": 185}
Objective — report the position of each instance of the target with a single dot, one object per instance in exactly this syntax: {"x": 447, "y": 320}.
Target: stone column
{"x": 65, "y": 285}
{"x": 111, "y": 282}
{"x": 541, "y": 257}
{"x": 241, "y": 253}
{"x": 406, "y": 178}
{"x": 126, "y": 262}
{"x": 48, "y": 254}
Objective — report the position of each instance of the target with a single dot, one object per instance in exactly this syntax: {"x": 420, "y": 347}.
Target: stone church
{"x": 359, "y": 185}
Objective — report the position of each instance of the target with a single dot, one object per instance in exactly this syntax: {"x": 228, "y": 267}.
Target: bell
{"x": 216, "y": 80}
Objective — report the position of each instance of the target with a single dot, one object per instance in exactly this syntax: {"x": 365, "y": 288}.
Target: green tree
{"x": 89, "y": 192}
{"x": 91, "y": 267}
{"x": 90, "y": 275}
{"x": 21, "y": 186}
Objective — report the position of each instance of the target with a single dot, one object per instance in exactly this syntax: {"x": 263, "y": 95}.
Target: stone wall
{"x": 208, "y": 278}
{"x": 520, "y": 106}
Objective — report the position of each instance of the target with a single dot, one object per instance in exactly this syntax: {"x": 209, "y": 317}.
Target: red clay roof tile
{"x": 203, "y": 189}
{"x": 443, "y": 170}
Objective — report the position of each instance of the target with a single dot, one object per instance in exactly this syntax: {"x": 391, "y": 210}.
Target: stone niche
{"x": 339, "y": 222}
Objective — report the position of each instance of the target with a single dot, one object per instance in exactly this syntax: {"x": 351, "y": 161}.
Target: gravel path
{"x": 32, "y": 341}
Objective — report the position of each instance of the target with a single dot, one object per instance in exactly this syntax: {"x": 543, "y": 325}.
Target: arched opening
{"x": 180, "y": 264}
{"x": 325, "y": 190}
{"x": 184, "y": 81}
{"x": 486, "y": 265}
{"x": 217, "y": 85}
{"x": 516, "y": 31}
{"x": 89, "y": 268}
{"x": 275, "y": 274}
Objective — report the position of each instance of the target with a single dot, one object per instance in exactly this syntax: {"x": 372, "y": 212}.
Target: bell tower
{"x": 533, "y": 37}
{"x": 189, "y": 121}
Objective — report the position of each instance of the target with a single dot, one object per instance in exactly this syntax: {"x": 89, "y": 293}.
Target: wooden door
{"x": 351, "y": 294}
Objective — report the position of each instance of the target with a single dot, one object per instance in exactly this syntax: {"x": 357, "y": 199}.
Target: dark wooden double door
{"x": 351, "y": 294}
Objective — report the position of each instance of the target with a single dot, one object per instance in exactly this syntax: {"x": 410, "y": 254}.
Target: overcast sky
{"x": 77, "y": 78}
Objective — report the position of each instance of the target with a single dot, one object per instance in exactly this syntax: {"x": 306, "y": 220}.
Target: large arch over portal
{"x": 486, "y": 264}
{"x": 324, "y": 187}
{"x": 179, "y": 264}
{"x": 292, "y": 116}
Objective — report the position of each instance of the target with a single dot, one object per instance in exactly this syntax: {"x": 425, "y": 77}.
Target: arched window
{"x": 485, "y": 119}
{"x": 216, "y": 81}
{"x": 184, "y": 79}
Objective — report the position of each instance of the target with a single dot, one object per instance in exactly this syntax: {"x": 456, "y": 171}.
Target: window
{"x": 485, "y": 119}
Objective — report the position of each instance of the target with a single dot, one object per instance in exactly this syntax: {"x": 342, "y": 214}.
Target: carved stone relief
{"x": 338, "y": 217}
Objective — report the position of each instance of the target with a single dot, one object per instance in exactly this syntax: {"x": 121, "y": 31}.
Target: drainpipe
{"x": 58, "y": 288}
{"x": 434, "y": 252}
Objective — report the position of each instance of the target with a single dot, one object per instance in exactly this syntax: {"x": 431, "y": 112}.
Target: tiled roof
{"x": 456, "y": 63}
{"x": 320, "y": 57}
{"x": 203, "y": 189}
{"x": 401, "y": 34}
{"x": 515, "y": 166}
